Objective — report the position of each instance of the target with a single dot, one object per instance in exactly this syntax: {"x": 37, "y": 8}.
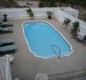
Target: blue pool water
{"x": 45, "y": 41}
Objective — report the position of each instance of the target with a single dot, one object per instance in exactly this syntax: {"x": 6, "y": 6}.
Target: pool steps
{"x": 58, "y": 55}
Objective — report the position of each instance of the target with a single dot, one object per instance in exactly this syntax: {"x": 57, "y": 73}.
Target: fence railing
{"x": 60, "y": 15}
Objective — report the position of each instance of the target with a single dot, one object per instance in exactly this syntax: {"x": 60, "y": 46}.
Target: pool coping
{"x": 71, "y": 49}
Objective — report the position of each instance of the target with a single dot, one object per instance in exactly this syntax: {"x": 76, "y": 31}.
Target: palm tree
{"x": 66, "y": 22}
{"x": 5, "y": 18}
{"x": 75, "y": 29}
{"x": 49, "y": 13}
{"x": 29, "y": 11}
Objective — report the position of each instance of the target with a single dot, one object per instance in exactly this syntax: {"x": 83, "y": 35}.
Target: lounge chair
{"x": 81, "y": 39}
{"x": 7, "y": 49}
{"x": 4, "y": 41}
{"x": 41, "y": 76}
{"x": 5, "y": 30}
{"x": 6, "y": 24}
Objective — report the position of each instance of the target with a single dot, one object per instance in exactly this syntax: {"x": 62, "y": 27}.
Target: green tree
{"x": 47, "y": 3}
{"x": 83, "y": 3}
{"x": 49, "y": 13}
{"x": 10, "y": 1}
{"x": 72, "y": 2}
{"x": 66, "y": 22}
{"x": 62, "y": 1}
{"x": 30, "y": 13}
{"x": 75, "y": 28}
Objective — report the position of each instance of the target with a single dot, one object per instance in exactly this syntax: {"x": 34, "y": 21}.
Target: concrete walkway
{"x": 27, "y": 65}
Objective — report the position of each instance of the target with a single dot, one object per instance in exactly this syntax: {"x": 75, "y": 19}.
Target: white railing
{"x": 20, "y": 13}
{"x": 61, "y": 15}
{"x": 5, "y": 73}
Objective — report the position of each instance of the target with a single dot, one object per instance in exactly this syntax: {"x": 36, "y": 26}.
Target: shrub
{"x": 29, "y": 11}
{"x": 75, "y": 27}
{"x": 66, "y": 22}
{"x": 5, "y": 18}
{"x": 49, "y": 13}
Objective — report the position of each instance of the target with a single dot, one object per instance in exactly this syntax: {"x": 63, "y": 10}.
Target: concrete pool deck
{"x": 27, "y": 65}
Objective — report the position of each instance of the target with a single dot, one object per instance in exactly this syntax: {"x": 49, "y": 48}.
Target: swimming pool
{"x": 44, "y": 40}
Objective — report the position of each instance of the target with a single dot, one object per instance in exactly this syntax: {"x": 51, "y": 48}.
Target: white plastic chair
{"x": 41, "y": 76}
{"x": 11, "y": 58}
{"x": 16, "y": 79}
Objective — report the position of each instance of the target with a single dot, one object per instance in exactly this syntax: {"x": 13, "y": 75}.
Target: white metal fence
{"x": 5, "y": 72}
{"x": 20, "y": 13}
{"x": 60, "y": 15}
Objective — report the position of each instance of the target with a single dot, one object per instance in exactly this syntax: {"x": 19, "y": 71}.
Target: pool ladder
{"x": 57, "y": 54}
